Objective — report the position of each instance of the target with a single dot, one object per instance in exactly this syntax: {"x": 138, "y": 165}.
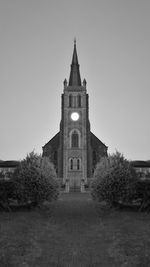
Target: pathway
{"x": 78, "y": 238}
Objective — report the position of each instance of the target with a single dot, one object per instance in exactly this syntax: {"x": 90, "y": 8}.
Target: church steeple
{"x": 75, "y": 78}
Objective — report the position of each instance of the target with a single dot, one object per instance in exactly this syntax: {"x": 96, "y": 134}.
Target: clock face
{"x": 75, "y": 116}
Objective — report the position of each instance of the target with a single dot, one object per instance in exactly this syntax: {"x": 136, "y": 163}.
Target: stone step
{"x": 74, "y": 189}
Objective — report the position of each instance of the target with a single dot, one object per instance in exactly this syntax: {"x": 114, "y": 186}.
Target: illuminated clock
{"x": 75, "y": 116}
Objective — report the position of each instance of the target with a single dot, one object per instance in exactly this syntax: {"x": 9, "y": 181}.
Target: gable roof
{"x": 94, "y": 139}
{"x": 53, "y": 141}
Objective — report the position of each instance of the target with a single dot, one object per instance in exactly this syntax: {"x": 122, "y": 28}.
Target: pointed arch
{"x": 70, "y": 100}
{"x": 78, "y": 164}
{"x": 71, "y": 164}
{"x": 74, "y": 138}
{"x": 79, "y": 101}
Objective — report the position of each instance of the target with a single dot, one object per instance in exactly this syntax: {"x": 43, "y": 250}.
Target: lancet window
{"x": 78, "y": 164}
{"x": 79, "y": 100}
{"x": 74, "y": 164}
{"x": 70, "y": 101}
{"x": 71, "y": 164}
{"x": 75, "y": 139}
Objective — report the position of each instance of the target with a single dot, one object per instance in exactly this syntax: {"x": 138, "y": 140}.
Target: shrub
{"x": 114, "y": 180}
{"x": 34, "y": 180}
{"x": 7, "y": 193}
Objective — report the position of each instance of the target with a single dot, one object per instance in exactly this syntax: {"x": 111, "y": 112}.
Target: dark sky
{"x": 113, "y": 44}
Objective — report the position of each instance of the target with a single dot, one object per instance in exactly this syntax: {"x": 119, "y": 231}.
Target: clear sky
{"x": 113, "y": 45}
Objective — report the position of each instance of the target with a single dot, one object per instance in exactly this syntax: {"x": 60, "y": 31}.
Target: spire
{"x": 75, "y": 78}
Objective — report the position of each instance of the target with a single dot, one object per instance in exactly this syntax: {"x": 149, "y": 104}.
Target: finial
{"x": 65, "y": 83}
{"x": 75, "y": 41}
{"x": 84, "y": 82}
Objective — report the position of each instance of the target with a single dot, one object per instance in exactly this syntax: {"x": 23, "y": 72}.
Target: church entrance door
{"x": 74, "y": 183}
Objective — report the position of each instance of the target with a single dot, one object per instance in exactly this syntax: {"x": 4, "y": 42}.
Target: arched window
{"x": 79, "y": 101}
{"x": 75, "y": 139}
{"x": 71, "y": 164}
{"x": 78, "y": 164}
{"x": 70, "y": 101}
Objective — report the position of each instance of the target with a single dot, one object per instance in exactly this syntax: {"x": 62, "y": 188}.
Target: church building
{"x": 74, "y": 150}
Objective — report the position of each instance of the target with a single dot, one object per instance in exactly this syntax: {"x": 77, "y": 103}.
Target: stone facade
{"x": 74, "y": 150}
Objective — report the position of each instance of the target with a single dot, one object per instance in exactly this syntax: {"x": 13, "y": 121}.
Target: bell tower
{"x": 74, "y": 150}
{"x": 75, "y": 127}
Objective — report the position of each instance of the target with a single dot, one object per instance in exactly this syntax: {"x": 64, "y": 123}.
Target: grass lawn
{"x": 74, "y": 231}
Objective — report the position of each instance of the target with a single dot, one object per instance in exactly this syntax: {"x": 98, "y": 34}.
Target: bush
{"x": 114, "y": 180}
{"x": 7, "y": 193}
{"x": 35, "y": 180}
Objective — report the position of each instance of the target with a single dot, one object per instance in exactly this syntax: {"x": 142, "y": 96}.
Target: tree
{"x": 114, "y": 180}
{"x": 35, "y": 180}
